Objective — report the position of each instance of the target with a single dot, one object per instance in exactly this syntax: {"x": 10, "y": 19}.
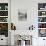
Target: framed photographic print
{"x": 22, "y": 15}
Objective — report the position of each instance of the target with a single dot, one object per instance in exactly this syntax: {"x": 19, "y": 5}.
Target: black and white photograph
{"x": 22, "y": 15}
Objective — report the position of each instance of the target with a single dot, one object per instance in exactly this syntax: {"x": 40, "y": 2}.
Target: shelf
{"x": 41, "y": 10}
{"x": 42, "y": 16}
{"x": 41, "y": 22}
{"x": 41, "y": 28}
{"x": 3, "y": 22}
{"x": 3, "y": 16}
{"x": 3, "y": 10}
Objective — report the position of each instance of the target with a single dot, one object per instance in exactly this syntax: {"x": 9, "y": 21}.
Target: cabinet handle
{"x": 43, "y": 39}
{"x": 1, "y": 39}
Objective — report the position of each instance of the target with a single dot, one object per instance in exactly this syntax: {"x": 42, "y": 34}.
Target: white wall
{"x": 32, "y": 12}
{"x": 27, "y": 5}
{"x": 31, "y": 7}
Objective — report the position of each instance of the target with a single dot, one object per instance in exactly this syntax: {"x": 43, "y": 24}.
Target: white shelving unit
{"x": 42, "y": 18}
{"x": 4, "y": 18}
{"x": 4, "y": 23}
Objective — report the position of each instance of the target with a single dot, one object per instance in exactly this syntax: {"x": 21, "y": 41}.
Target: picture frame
{"x": 22, "y": 15}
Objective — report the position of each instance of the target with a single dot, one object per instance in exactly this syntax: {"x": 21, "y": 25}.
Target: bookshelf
{"x": 4, "y": 19}
{"x": 42, "y": 19}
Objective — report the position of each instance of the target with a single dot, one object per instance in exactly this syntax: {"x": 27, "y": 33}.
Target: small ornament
{"x": 31, "y": 27}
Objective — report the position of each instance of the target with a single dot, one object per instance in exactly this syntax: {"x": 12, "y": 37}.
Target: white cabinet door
{"x": 41, "y": 41}
{"x": 3, "y": 40}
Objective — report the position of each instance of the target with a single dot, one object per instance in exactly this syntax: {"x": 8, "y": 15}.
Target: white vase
{"x": 22, "y": 43}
